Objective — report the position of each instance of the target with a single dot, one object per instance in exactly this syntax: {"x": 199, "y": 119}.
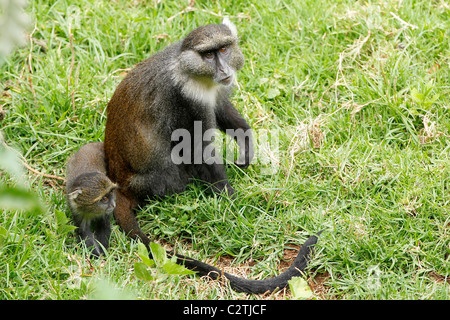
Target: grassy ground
{"x": 354, "y": 94}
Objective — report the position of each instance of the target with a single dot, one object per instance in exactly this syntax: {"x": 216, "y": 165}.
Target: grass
{"x": 356, "y": 94}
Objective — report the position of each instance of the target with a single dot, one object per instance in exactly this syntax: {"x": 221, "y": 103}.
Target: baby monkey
{"x": 90, "y": 196}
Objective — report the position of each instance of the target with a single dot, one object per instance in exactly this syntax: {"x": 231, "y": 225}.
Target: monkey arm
{"x": 86, "y": 235}
{"x": 230, "y": 121}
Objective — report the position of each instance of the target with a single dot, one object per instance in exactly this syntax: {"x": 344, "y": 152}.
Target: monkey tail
{"x": 255, "y": 286}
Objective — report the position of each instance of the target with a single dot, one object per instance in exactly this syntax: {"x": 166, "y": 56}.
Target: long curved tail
{"x": 255, "y": 286}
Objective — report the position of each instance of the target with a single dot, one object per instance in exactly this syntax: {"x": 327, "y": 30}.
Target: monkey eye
{"x": 208, "y": 55}
{"x": 105, "y": 198}
{"x": 224, "y": 50}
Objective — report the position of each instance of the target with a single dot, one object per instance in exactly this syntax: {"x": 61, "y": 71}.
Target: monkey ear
{"x": 226, "y": 21}
{"x": 74, "y": 194}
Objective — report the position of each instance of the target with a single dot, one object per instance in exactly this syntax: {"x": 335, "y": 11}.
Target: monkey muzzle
{"x": 226, "y": 81}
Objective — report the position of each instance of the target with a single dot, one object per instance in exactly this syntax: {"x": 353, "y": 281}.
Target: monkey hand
{"x": 223, "y": 187}
{"x": 244, "y": 159}
{"x": 242, "y": 165}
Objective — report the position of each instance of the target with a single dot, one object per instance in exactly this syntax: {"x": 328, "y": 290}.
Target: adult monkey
{"x": 186, "y": 84}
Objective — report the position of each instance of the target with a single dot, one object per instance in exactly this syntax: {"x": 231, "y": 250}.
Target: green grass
{"x": 369, "y": 82}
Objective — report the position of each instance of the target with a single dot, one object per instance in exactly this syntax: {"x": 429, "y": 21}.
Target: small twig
{"x": 30, "y": 56}
{"x": 352, "y": 51}
{"x": 72, "y": 64}
{"x": 187, "y": 9}
{"x": 297, "y": 88}
{"x": 30, "y": 67}
{"x": 357, "y": 108}
{"x": 121, "y": 70}
{"x": 403, "y": 21}
{"x": 25, "y": 163}
{"x": 191, "y": 8}
{"x": 50, "y": 176}
{"x": 30, "y": 81}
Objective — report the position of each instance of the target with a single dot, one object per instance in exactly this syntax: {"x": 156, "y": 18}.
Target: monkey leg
{"x": 125, "y": 217}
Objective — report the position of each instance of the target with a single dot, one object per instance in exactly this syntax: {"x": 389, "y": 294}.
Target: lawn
{"x": 349, "y": 102}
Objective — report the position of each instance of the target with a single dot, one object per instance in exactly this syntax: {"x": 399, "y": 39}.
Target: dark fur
{"x": 86, "y": 185}
{"x": 157, "y": 97}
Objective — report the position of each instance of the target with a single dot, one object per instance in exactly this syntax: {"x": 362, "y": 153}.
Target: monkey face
{"x": 108, "y": 202}
{"x": 219, "y": 61}
{"x": 96, "y": 209}
{"x": 93, "y": 195}
{"x": 211, "y": 54}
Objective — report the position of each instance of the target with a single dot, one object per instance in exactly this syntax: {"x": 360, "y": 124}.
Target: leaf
{"x": 416, "y": 96}
{"x": 143, "y": 254}
{"x": 172, "y": 268}
{"x": 3, "y": 235}
{"x": 188, "y": 207}
{"x": 67, "y": 228}
{"x": 300, "y": 289}
{"x": 62, "y": 222}
{"x": 183, "y": 219}
{"x": 104, "y": 290}
{"x": 9, "y": 236}
{"x": 272, "y": 93}
{"x": 61, "y": 217}
{"x": 428, "y": 87}
{"x": 168, "y": 231}
{"x": 9, "y": 161}
{"x": 263, "y": 80}
{"x": 158, "y": 253}
{"x": 142, "y": 249}
{"x": 277, "y": 75}
{"x": 141, "y": 272}
{"x": 19, "y": 199}
{"x": 434, "y": 98}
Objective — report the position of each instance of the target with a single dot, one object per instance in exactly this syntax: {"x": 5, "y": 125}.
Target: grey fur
{"x": 90, "y": 196}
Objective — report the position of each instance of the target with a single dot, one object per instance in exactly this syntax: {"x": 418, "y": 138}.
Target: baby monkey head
{"x": 92, "y": 195}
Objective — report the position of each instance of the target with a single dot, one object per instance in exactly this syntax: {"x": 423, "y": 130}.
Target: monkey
{"x": 90, "y": 196}
{"x": 185, "y": 87}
